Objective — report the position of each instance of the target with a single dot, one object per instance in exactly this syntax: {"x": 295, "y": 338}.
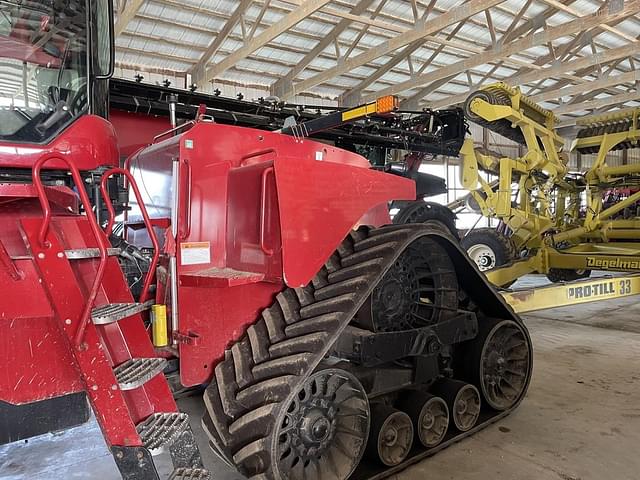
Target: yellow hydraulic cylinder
{"x": 159, "y": 325}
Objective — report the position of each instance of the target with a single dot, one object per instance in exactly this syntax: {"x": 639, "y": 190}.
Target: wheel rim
{"x": 483, "y": 256}
{"x": 466, "y": 408}
{"x": 433, "y": 422}
{"x": 505, "y": 365}
{"x": 395, "y": 438}
{"x": 323, "y": 432}
{"x": 396, "y": 297}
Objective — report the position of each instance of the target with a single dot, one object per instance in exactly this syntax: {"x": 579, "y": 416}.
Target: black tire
{"x": 557, "y": 275}
{"x": 430, "y": 213}
{"x": 489, "y": 248}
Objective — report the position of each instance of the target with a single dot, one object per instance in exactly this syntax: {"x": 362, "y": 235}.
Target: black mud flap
{"x": 135, "y": 463}
{"x": 18, "y": 422}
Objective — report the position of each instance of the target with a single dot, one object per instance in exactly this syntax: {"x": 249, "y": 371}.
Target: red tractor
{"x": 332, "y": 344}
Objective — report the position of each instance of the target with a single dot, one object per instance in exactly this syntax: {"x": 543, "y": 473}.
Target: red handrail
{"x": 44, "y": 229}
{"x": 263, "y": 209}
{"x": 145, "y": 215}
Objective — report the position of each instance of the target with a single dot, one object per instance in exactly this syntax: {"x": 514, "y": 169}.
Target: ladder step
{"x": 82, "y": 253}
{"x": 190, "y": 474}
{"x": 113, "y": 312}
{"x": 136, "y": 372}
{"x": 160, "y": 430}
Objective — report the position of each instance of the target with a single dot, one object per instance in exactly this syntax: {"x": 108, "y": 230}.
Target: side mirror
{"x": 103, "y": 39}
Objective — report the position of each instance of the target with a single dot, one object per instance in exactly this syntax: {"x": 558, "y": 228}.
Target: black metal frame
{"x": 433, "y": 132}
{"x": 371, "y": 349}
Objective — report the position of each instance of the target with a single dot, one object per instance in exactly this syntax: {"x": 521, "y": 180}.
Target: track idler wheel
{"x": 463, "y": 400}
{"x": 500, "y": 363}
{"x": 324, "y": 430}
{"x": 391, "y": 435}
{"x": 430, "y": 417}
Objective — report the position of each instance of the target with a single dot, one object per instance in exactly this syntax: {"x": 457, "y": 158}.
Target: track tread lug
{"x": 275, "y": 323}
{"x": 321, "y": 279}
{"x": 290, "y": 365}
{"x": 253, "y": 457}
{"x": 379, "y": 251}
{"x": 258, "y": 334}
{"x": 305, "y": 295}
{"x": 372, "y": 266}
{"x": 346, "y": 286}
{"x": 301, "y": 344}
{"x": 254, "y": 425}
{"x": 271, "y": 390}
{"x": 325, "y": 322}
{"x": 288, "y": 301}
{"x": 333, "y": 264}
{"x": 242, "y": 361}
{"x": 225, "y": 375}
{"x": 340, "y": 303}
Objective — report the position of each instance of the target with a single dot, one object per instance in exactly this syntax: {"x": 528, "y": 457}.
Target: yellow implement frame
{"x": 545, "y": 214}
{"x": 573, "y": 293}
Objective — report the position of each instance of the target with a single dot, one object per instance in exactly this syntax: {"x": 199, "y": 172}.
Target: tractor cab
{"x": 55, "y": 59}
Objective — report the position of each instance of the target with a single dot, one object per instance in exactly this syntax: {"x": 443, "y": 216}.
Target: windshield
{"x": 43, "y": 67}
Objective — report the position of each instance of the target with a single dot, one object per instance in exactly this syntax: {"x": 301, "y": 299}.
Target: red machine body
{"x": 89, "y": 142}
{"x": 36, "y": 363}
{"x": 256, "y": 210}
{"x": 45, "y": 293}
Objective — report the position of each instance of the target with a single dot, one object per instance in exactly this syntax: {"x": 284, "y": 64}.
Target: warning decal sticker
{"x": 195, "y": 253}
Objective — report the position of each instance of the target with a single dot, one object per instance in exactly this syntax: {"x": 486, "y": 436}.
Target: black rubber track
{"x": 263, "y": 370}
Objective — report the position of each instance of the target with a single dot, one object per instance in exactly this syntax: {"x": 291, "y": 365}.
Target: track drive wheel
{"x": 418, "y": 290}
{"x": 323, "y": 432}
{"x": 463, "y": 400}
{"x": 391, "y": 436}
{"x": 488, "y": 248}
{"x": 499, "y": 362}
{"x": 430, "y": 417}
{"x": 557, "y": 275}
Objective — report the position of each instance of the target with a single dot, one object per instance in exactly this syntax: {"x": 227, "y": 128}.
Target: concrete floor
{"x": 580, "y": 420}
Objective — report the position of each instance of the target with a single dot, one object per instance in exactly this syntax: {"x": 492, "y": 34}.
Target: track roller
{"x": 463, "y": 400}
{"x": 430, "y": 417}
{"x": 391, "y": 435}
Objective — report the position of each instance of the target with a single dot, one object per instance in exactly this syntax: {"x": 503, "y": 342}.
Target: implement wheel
{"x": 488, "y": 248}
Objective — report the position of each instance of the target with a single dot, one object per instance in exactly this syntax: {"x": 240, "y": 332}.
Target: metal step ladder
{"x": 113, "y": 312}
{"x": 109, "y": 343}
